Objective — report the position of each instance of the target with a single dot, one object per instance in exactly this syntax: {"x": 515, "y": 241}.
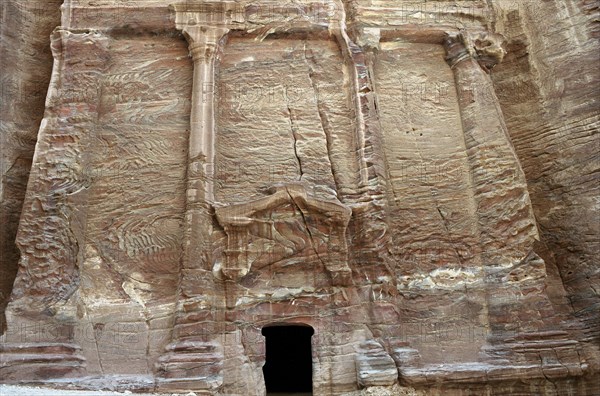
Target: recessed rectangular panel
{"x": 433, "y": 215}
{"x": 433, "y": 219}
{"x": 137, "y": 168}
{"x": 281, "y": 106}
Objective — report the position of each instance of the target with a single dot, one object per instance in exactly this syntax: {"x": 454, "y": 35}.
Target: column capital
{"x": 368, "y": 38}
{"x": 484, "y": 47}
{"x": 204, "y": 41}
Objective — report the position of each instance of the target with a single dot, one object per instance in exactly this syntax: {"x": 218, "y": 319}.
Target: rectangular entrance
{"x": 288, "y": 364}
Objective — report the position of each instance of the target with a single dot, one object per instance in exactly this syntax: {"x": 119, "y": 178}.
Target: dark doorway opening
{"x": 288, "y": 365}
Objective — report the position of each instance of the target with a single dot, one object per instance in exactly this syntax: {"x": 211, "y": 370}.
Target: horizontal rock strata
{"x": 415, "y": 182}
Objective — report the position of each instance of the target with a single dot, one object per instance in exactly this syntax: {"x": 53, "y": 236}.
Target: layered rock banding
{"x": 207, "y": 170}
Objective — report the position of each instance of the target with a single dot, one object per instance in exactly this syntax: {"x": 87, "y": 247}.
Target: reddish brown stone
{"x": 413, "y": 181}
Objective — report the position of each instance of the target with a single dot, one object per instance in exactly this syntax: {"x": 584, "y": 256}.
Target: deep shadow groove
{"x": 288, "y": 364}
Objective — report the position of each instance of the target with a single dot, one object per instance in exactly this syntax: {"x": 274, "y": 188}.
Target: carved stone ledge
{"x": 209, "y": 13}
{"x": 286, "y": 223}
{"x": 191, "y": 365}
{"x": 42, "y": 361}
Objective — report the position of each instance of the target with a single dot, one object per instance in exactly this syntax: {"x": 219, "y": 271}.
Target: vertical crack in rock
{"x": 294, "y": 130}
{"x": 579, "y": 359}
{"x": 98, "y": 354}
{"x": 546, "y": 376}
{"x": 120, "y": 276}
{"x": 95, "y": 340}
{"x": 322, "y": 112}
{"x": 310, "y": 235}
{"x": 444, "y": 221}
{"x": 568, "y": 297}
{"x": 445, "y": 224}
{"x": 148, "y": 339}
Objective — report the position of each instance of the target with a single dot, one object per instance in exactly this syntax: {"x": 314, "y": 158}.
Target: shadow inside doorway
{"x": 288, "y": 364}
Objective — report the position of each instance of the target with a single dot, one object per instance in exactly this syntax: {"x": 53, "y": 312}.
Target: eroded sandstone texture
{"x": 416, "y": 181}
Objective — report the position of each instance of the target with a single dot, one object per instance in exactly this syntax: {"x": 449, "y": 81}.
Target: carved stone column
{"x": 504, "y": 238}
{"x": 203, "y": 44}
{"x": 369, "y": 224}
{"x": 194, "y": 360}
{"x": 507, "y": 226}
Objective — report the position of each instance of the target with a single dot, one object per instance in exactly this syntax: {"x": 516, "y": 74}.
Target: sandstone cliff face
{"x": 411, "y": 180}
{"x": 26, "y": 65}
{"x": 551, "y": 70}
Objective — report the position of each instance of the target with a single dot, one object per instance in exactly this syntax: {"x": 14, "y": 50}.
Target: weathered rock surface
{"x": 416, "y": 181}
{"x": 26, "y": 66}
{"x": 551, "y": 70}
